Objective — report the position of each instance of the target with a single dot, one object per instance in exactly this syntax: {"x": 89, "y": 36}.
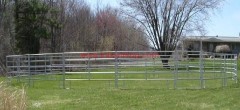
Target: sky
{"x": 224, "y": 22}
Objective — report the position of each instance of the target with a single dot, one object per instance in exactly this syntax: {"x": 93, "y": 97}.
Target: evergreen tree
{"x": 31, "y": 25}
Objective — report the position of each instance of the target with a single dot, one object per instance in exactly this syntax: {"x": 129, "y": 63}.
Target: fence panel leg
{"x": 63, "y": 71}
{"x": 116, "y": 70}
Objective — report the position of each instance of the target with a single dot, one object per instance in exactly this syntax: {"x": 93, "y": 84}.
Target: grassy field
{"x": 97, "y": 95}
{"x": 131, "y": 95}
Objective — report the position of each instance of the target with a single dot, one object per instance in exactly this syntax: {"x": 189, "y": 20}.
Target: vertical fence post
{"x": 175, "y": 69}
{"x": 88, "y": 66}
{"x": 18, "y": 68}
{"x": 63, "y": 70}
{"x": 188, "y": 59}
{"x": 45, "y": 64}
{"x": 224, "y": 73}
{"x": 50, "y": 63}
{"x": 8, "y": 70}
{"x": 201, "y": 70}
{"x": 214, "y": 68}
{"x": 236, "y": 67}
{"x": 145, "y": 65}
{"x": 116, "y": 70}
{"x": 29, "y": 70}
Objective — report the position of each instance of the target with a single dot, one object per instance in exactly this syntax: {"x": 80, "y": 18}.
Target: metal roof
{"x": 213, "y": 38}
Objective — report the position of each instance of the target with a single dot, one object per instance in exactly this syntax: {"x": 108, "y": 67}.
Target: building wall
{"x": 210, "y": 46}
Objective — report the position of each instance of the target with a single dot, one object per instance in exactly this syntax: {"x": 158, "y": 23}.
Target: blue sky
{"x": 224, "y": 22}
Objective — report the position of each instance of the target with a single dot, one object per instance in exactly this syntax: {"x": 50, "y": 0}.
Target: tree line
{"x": 39, "y": 26}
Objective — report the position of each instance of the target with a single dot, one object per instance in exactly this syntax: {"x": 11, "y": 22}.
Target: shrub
{"x": 12, "y": 98}
{"x": 222, "y": 49}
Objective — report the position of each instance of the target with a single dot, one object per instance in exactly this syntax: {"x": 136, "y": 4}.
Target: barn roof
{"x": 212, "y": 38}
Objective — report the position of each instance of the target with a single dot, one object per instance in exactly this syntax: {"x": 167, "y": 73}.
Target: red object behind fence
{"x": 119, "y": 55}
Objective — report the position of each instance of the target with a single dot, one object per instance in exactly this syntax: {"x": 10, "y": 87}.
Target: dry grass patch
{"x": 12, "y": 98}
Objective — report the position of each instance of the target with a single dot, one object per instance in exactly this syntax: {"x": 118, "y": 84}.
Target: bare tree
{"x": 6, "y": 32}
{"x": 107, "y": 23}
{"x": 111, "y": 27}
{"x": 166, "y": 20}
{"x": 78, "y": 26}
{"x": 132, "y": 35}
{"x": 76, "y": 32}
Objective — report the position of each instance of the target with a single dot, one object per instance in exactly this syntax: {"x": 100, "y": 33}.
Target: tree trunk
{"x": 165, "y": 59}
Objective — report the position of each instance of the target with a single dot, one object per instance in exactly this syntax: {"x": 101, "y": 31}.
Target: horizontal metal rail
{"x": 140, "y": 65}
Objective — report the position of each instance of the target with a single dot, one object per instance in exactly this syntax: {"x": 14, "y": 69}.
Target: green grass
{"x": 107, "y": 98}
{"x": 2, "y": 78}
{"x": 46, "y": 95}
{"x": 131, "y": 95}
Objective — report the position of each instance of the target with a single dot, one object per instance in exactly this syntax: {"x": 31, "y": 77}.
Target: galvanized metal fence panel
{"x": 176, "y": 69}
